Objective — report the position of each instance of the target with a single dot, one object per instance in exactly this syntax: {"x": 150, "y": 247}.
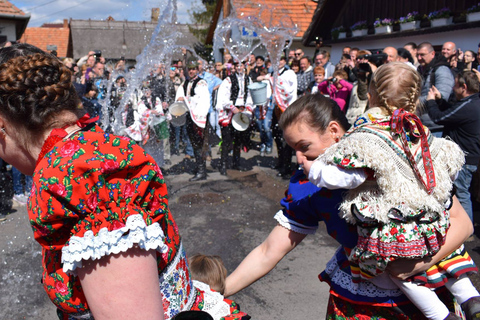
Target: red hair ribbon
{"x": 403, "y": 122}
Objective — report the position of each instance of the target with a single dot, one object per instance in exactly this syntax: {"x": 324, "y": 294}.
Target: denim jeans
{"x": 264, "y": 126}
{"x": 181, "y": 133}
{"x": 17, "y": 182}
{"x": 463, "y": 184}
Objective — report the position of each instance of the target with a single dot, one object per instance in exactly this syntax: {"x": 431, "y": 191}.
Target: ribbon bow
{"x": 403, "y": 122}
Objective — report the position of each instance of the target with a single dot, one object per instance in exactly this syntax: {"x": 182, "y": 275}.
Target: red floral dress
{"x": 96, "y": 194}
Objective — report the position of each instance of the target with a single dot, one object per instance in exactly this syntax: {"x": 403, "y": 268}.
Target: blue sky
{"x": 42, "y": 11}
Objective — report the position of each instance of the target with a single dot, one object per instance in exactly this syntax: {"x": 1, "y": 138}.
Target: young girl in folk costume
{"x": 209, "y": 274}
{"x": 400, "y": 179}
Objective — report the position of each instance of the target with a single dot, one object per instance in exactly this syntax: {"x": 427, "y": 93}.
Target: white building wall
{"x": 466, "y": 39}
{"x": 8, "y": 29}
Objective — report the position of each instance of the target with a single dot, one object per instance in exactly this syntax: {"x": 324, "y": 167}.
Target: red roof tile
{"x": 8, "y": 8}
{"x": 300, "y": 11}
{"x": 41, "y": 37}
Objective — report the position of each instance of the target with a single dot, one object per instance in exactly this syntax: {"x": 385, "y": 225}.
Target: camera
{"x": 318, "y": 40}
{"x": 333, "y": 80}
{"x": 377, "y": 59}
{"x": 365, "y": 68}
{"x": 97, "y": 53}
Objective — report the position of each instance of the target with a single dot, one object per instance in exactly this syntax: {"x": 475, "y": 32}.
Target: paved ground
{"x": 227, "y": 216}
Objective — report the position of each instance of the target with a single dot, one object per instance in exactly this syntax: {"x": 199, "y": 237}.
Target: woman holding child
{"x": 313, "y": 125}
{"x": 98, "y": 206}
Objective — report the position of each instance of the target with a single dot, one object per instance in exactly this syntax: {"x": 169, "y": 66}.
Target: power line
{"x": 49, "y": 15}
{"x": 41, "y": 5}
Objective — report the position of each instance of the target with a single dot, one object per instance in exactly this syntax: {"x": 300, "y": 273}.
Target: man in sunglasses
{"x": 299, "y": 54}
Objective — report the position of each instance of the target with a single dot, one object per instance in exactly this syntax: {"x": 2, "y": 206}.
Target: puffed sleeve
{"x": 99, "y": 194}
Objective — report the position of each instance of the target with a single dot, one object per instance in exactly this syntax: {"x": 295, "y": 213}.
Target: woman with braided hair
{"x": 400, "y": 181}
{"x": 98, "y": 205}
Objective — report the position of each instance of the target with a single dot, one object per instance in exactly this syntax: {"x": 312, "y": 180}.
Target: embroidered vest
{"x": 192, "y": 89}
{"x": 236, "y": 88}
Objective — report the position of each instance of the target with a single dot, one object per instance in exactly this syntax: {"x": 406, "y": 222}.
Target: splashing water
{"x": 239, "y": 35}
{"x": 160, "y": 51}
{"x": 271, "y": 25}
{"x": 276, "y": 34}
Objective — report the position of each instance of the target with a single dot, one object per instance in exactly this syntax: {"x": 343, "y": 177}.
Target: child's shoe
{"x": 471, "y": 308}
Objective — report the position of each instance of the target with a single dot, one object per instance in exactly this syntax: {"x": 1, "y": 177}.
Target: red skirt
{"x": 339, "y": 308}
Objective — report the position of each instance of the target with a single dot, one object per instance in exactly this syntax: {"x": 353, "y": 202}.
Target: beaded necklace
{"x": 58, "y": 134}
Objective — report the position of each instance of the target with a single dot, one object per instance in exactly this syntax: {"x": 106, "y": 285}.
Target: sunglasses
{"x": 297, "y": 54}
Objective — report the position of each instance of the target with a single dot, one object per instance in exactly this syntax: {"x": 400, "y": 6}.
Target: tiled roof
{"x": 41, "y": 37}
{"x": 8, "y": 8}
{"x": 300, "y": 11}
{"x": 118, "y": 38}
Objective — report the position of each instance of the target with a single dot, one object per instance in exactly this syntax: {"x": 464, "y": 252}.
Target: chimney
{"x": 65, "y": 23}
{"x": 155, "y": 14}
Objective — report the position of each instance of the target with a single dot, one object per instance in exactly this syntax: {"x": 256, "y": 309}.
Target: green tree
{"x": 201, "y": 17}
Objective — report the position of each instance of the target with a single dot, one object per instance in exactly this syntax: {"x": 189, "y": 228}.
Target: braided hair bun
{"x": 34, "y": 87}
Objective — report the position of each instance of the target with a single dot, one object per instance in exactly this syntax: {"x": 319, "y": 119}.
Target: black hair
{"x": 405, "y": 54}
{"x": 411, "y": 44}
{"x": 316, "y": 110}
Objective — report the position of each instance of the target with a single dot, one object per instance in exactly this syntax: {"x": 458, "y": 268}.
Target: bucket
{"x": 178, "y": 111}
{"x": 240, "y": 121}
{"x": 258, "y": 90}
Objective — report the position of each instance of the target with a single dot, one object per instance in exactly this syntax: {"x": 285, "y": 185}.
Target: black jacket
{"x": 461, "y": 123}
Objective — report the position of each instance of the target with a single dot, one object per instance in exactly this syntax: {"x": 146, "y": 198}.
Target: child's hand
{"x": 307, "y": 164}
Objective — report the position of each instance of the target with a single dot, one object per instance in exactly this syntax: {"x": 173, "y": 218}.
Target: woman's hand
{"x": 477, "y": 73}
{"x": 460, "y": 229}
{"x": 405, "y": 268}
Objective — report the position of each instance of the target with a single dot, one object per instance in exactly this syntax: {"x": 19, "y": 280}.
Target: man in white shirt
{"x": 194, "y": 92}
{"x": 233, "y": 98}
{"x": 285, "y": 93}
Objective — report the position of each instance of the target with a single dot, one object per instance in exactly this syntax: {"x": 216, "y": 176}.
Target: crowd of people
{"x": 375, "y": 168}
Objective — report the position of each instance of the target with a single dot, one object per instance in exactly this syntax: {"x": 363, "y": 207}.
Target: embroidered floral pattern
{"x": 91, "y": 183}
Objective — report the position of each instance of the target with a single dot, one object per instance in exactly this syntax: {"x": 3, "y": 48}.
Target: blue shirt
{"x": 304, "y": 206}
{"x": 212, "y": 82}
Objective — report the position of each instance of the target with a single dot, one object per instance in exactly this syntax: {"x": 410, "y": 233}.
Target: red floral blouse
{"x": 95, "y": 194}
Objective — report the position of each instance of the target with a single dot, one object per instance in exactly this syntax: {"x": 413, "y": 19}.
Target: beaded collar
{"x": 58, "y": 134}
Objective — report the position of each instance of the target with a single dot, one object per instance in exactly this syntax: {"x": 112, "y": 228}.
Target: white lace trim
{"x": 214, "y": 304}
{"x": 293, "y": 225}
{"x": 364, "y": 288}
{"x": 112, "y": 242}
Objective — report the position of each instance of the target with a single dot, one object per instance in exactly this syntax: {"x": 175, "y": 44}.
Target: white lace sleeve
{"x": 293, "y": 225}
{"x": 334, "y": 177}
{"x": 91, "y": 247}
